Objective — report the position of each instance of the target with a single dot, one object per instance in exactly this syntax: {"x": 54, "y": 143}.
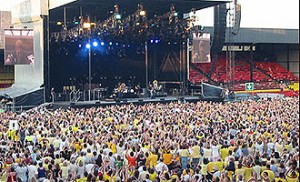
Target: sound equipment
{"x": 220, "y": 14}
{"x": 237, "y": 19}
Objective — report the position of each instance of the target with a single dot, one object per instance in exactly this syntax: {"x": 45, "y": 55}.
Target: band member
{"x": 138, "y": 90}
{"x": 155, "y": 89}
{"x": 121, "y": 90}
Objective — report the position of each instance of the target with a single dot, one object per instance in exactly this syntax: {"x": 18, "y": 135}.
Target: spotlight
{"x": 117, "y": 44}
{"x": 88, "y": 46}
{"x": 175, "y": 14}
{"x": 58, "y": 23}
{"x": 86, "y": 25}
{"x": 151, "y": 41}
{"x": 102, "y": 43}
{"x": 118, "y": 17}
{"x": 95, "y": 44}
{"x": 142, "y": 13}
{"x": 110, "y": 43}
{"x": 156, "y": 41}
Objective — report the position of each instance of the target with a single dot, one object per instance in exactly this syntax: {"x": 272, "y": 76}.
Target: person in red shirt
{"x": 131, "y": 157}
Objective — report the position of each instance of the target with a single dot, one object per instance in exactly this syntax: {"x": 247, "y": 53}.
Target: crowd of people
{"x": 245, "y": 141}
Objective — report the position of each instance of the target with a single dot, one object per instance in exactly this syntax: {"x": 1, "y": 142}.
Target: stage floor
{"x": 94, "y": 103}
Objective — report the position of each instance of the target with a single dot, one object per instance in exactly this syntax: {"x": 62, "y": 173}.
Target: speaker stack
{"x": 237, "y": 19}
{"x": 220, "y": 14}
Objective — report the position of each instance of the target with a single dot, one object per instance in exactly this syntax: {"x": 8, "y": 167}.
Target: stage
{"x": 106, "y": 102}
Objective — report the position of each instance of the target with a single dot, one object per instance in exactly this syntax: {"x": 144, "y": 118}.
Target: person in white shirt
{"x": 32, "y": 171}
{"x": 143, "y": 173}
{"x": 161, "y": 166}
{"x": 215, "y": 151}
{"x": 21, "y": 171}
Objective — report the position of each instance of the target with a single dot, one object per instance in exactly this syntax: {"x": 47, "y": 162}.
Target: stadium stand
{"x": 276, "y": 71}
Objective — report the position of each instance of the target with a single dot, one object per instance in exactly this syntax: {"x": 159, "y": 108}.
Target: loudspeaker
{"x": 220, "y": 14}
{"x": 237, "y": 19}
{"x": 161, "y": 99}
{"x": 124, "y": 100}
{"x": 140, "y": 100}
{"x": 97, "y": 102}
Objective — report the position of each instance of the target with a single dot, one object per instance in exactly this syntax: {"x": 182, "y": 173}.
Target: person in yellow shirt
{"x": 271, "y": 174}
{"x": 291, "y": 175}
{"x": 239, "y": 172}
{"x": 153, "y": 159}
{"x": 195, "y": 155}
{"x": 17, "y": 136}
{"x": 167, "y": 156}
{"x": 152, "y": 174}
{"x": 84, "y": 178}
{"x": 188, "y": 168}
{"x": 77, "y": 145}
{"x": 204, "y": 167}
{"x": 280, "y": 178}
{"x": 184, "y": 154}
{"x": 224, "y": 152}
{"x": 248, "y": 172}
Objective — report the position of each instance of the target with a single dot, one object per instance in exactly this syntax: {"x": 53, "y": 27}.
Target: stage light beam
{"x": 88, "y": 46}
{"x": 95, "y": 44}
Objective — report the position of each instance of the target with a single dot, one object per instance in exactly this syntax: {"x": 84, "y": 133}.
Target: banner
{"x": 201, "y": 48}
{"x": 18, "y": 47}
{"x": 13, "y": 125}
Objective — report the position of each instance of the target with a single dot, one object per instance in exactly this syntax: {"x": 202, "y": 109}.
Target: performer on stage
{"x": 138, "y": 90}
{"x": 121, "y": 90}
{"x": 155, "y": 89}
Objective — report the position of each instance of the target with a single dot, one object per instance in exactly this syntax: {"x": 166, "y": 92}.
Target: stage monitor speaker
{"x": 124, "y": 100}
{"x": 97, "y": 102}
{"x": 161, "y": 99}
{"x": 220, "y": 14}
{"x": 140, "y": 100}
{"x": 72, "y": 103}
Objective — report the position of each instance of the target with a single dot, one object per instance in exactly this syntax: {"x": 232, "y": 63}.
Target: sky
{"x": 262, "y": 14}
{"x": 255, "y": 13}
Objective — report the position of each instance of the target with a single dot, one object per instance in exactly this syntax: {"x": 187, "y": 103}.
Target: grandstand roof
{"x": 264, "y": 35}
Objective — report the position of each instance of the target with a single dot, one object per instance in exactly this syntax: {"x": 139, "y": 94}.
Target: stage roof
{"x": 101, "y": 8}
